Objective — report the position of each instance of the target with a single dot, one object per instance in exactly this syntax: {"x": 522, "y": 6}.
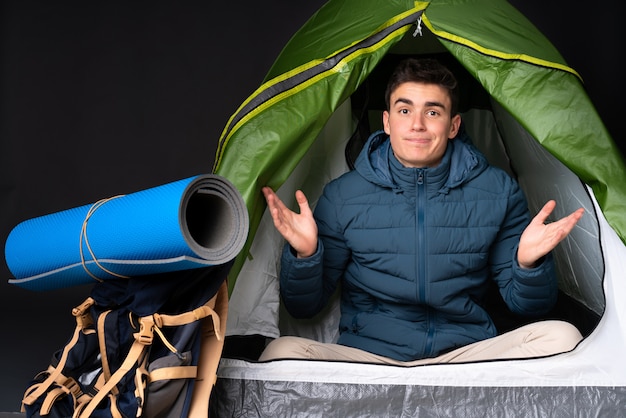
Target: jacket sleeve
{"x": 306, "y": 284}
{"x": 527, "y": 292}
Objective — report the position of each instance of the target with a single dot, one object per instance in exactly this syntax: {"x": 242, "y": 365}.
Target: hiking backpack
{"x": 146, "y": 346}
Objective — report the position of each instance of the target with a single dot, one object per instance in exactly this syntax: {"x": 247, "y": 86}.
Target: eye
{"x": 432, "y": 113}
{"x": 404, "y": 111}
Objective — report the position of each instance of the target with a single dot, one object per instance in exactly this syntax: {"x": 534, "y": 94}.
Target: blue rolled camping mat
{"x": 196, "y": 222}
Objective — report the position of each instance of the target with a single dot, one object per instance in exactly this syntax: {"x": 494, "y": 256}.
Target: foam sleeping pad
{"x": 196, "y": 222}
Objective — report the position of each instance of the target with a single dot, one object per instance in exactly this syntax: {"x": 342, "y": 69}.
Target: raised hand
{"x": 300, "y": 230}
{"x": 539, "y": 238}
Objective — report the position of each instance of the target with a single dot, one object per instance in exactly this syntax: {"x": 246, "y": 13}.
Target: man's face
{"x": 419, "y": 123}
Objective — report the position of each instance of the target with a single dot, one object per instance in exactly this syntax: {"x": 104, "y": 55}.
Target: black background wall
{"x": 99, "y": 98}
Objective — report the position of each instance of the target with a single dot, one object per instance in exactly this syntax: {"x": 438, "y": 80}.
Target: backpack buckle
{"x": 146, "y": 330}
{"x": 82, "y": 314}
{"x": 73, "y": 387}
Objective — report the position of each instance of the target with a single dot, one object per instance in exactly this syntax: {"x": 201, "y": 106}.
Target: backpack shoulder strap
{"x": 212, "y": 343}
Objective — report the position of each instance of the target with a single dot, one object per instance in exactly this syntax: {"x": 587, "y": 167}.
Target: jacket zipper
{"x": 421, "y": 255}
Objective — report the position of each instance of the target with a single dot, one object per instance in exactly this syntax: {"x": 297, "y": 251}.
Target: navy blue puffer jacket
{"x": 414, "y": 249}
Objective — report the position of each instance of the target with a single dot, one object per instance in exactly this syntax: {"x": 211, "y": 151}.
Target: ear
{"x": 455, "y": 125}
{"x": 386, "y": 122}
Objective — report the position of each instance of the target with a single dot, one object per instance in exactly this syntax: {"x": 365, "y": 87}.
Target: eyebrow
{"x": 427, "y": 104}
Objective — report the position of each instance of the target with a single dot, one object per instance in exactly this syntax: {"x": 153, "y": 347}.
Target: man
{"x": 414, "y": 235}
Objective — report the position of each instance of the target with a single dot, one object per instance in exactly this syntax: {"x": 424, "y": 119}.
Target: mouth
{"x": 418, "y": 141}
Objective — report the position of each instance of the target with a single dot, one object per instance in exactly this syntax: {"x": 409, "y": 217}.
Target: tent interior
{"x": 579, "y": 259}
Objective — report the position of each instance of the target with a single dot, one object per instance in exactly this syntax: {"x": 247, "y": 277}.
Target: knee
{"x": 284, "y": 348}
{"x": 560, "y": 336}
{"x": 568, "y": 334}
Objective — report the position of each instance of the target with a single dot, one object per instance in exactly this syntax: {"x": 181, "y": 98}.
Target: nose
{"x": 418, "y": 122}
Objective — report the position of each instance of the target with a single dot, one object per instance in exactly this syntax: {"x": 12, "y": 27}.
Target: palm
{"x": 539, "y": 238}
{"x": 299, "y": 229}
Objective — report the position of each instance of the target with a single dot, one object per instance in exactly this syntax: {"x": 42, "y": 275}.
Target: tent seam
{"x": 498, "y": 54}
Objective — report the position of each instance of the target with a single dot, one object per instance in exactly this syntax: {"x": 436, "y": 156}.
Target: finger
{"x": 303, "y": 203}
{"x": 269, "y": 194}
{"x": 273, "y": 201}
{"x": 578, "y": 214}
{"x": 569, "y": 222}
{"x": 545, "y": 211}
{"x": 273, "y": 205}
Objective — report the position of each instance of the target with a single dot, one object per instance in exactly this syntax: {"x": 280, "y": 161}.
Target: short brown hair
{"x": 427, "y": 71}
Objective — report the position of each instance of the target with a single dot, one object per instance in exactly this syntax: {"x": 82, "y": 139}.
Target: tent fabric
{"x": 195, "y": 222}
{"x": 537, "y": 123}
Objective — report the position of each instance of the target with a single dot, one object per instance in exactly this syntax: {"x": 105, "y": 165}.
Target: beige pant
{"x": 533, "y": 340}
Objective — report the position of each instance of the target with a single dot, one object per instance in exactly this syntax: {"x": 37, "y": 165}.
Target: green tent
{"x": 524, "y": 107}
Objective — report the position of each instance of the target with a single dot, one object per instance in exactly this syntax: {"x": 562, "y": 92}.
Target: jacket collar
{"x": 377, "y": 164}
